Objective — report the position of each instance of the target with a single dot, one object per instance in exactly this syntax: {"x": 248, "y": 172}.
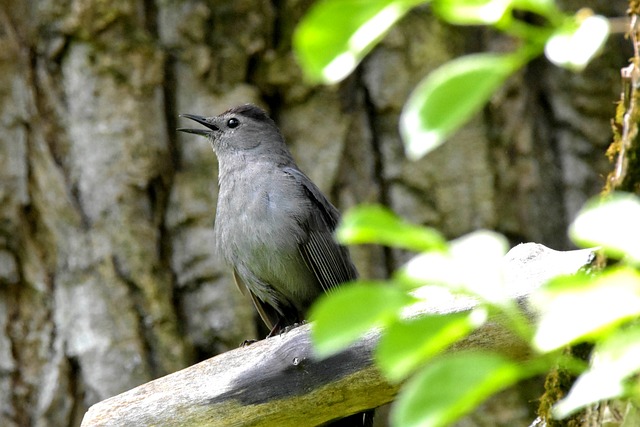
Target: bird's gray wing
{"x": 329, "y": 261}
{"x": 268, "y": 314}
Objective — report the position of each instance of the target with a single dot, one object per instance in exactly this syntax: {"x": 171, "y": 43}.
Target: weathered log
{"x": 279, "y": 382}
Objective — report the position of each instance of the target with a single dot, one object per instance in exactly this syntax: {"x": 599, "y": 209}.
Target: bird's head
{"x": 246, "y": 128}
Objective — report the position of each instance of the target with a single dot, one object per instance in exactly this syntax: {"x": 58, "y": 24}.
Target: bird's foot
{"x": 280, "y": 330}
{"x": 291, "y": 327}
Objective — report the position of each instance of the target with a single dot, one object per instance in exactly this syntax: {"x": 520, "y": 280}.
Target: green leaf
{"x": 472, "y": 12}
{"x": 345, "y": 314}
{"x": 472, "y": 266}
{"x": 615, "y": 359}
{"x": 377, "y": 224}
{"x": 488, "y": 12}
{"x": 574, "y": 44}
{"x": 481, "y": 256}
{"x": 407, "y": 344}
{"x": 451, "y": 386}
{"x": 611, "y": 223}
{"x": 541, "y": 7}
{"x": 450, "y": 96}
{"x": 335, "y": 35}
{"x": 579, "y": 307}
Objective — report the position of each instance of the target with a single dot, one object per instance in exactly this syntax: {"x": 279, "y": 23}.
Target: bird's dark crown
{"x": 250, "y": 111}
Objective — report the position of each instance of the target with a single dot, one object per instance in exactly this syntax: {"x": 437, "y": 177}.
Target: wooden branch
{"x": 277, "y": 381}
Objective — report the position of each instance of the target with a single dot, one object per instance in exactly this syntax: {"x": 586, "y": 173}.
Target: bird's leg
{"x": 276, "y": 330}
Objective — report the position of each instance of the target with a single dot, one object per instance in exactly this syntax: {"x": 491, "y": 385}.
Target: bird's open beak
{"x": 203, "y": 121}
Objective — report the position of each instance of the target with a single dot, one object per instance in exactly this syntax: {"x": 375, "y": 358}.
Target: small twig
{"x": 630, "y": 81}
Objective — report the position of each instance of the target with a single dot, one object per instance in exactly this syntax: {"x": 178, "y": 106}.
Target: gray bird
{"x": 273, "y": 226}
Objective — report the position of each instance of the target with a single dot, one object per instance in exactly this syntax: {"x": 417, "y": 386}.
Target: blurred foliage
{"x": 336, "y": 35}
{"x": 597, "y": 307}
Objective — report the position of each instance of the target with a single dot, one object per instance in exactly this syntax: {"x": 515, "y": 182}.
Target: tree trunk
{"x": 107, "y": 274}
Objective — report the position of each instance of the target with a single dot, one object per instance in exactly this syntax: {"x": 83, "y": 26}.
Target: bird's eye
{"x": 233, "y": 122}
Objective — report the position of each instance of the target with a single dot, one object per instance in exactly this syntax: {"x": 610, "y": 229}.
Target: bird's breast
{"x": 260, "y": 224}
{"x": 258, "y": 215}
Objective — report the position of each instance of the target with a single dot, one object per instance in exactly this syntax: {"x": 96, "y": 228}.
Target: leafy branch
{"x": 597, "y": 307}
{"x": 336, "y": 35}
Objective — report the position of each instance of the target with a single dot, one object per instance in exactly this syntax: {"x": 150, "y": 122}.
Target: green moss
{"x": 557, "y": 385}
{"x": 626, "y": 178}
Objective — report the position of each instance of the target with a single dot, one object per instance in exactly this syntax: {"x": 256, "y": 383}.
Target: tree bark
{"x": 107, "y": 276}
